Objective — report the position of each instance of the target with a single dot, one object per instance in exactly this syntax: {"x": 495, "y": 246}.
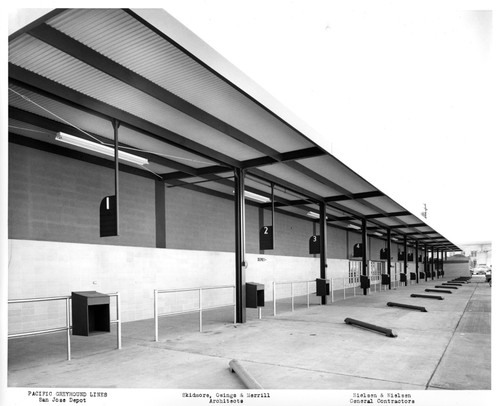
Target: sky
{"x": 402, "y": 95}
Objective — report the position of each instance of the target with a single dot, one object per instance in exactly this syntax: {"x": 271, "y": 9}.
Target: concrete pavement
{"x": 449, "y": 347}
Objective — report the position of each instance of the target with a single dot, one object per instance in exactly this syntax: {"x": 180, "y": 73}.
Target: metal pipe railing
{"x": 68, "y": 326}
{"x": 292, "y": 292}
{"x": 352, "y": 282}
{"x": 200, "y": 307}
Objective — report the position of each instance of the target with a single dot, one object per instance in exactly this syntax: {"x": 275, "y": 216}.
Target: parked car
{"x": 481, "y": 270}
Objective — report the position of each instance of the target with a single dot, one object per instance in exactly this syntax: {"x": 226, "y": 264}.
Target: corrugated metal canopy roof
{"x": 77, "y": 70}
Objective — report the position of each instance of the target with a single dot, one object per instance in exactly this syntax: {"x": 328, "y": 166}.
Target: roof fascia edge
{"x": 22, "y": 20}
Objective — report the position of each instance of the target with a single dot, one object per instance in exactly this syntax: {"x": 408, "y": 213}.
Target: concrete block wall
{"x": 55, "y": 198}
{"x": 375, "y": 246}
{"x": 47, "y": 268}
{"x": 55, "y": 246}
{"x": 200, "y": 222}
{"x": 352, "y": 239}
{"x": 337, "y": 243}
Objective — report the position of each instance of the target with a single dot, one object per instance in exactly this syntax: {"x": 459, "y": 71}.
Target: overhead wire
{"x": 100, "y": 141}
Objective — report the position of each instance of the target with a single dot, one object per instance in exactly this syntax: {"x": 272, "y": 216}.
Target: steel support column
{"x": 437, "y": 263}
{"x": 364, "y": 241}
{"x": 389, "y": 255}
{"x": 405, "y": 263}
{"x": 323, "y": 254}
{"x": 415, "y": 257}
{"x": 426, "y": 262}
{"x": 239, "y": 250}
{"x": 432, "y": 263}
{"x": 272, "y": 210}
{"x": 441, "y": 260}
{"x": 116, "y": 125}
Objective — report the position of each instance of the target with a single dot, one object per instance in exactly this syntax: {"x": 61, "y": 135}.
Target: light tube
{"x": 101, "y": 149}
{"x": 256, "y": 197}
{"x": 354, "y": 226}
{"x": 313, "y": 214}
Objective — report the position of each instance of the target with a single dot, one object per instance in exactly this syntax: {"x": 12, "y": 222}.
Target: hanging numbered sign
{"x": 107, "y": 219}
{"x": 314, "y": 244}
{"x": 383, "y": 253}
{"x": 266, "y": 238}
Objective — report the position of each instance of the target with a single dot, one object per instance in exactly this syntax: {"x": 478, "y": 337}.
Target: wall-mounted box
{"x": 365, "y": 282}
{"x": 413, "y": 276}
{"x": 422, "y": 275}
{"x": 386, "y": 279}
{"x": 254, "y": 295}
{"x": 322, "y": 287}
{"x": 90, "y": 313}
{"x": 402, "y": 277}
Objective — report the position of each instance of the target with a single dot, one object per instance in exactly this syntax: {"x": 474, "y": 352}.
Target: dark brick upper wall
{"x": 56, "y": 198}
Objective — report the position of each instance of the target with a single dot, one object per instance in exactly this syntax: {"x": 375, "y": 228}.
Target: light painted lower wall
{"x": 44, "y": 268}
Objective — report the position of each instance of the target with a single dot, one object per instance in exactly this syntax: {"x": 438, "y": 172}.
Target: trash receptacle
{"x": 386, "y": 279}
{"x": 422, "y": 275}
{"x": 90, "y": 313}
{"x": 254, "y": 295}
{"x": 413, "y": 276}
{"x": 322, "y": 287}
{"x": 365, "y": 282}
{"x": 402, "y": 277}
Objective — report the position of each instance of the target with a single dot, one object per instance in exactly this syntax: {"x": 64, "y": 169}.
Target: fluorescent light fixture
{"x": 377, "y": 233}
{"x": 313, "y": 214}
{"x": 354, "y": 226}
{"x": 256, "y": 197}
{"x": 101, "y": 149}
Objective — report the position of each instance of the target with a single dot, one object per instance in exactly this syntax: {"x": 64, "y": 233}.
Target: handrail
{"x": 38, "y": 299}
{"x": 68, "y": 326}
{"x": 193, "y": 289}
{"x": 356, "y": 282}
{"x": 200, "y": 307}
{"x": 292, "y": 294}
